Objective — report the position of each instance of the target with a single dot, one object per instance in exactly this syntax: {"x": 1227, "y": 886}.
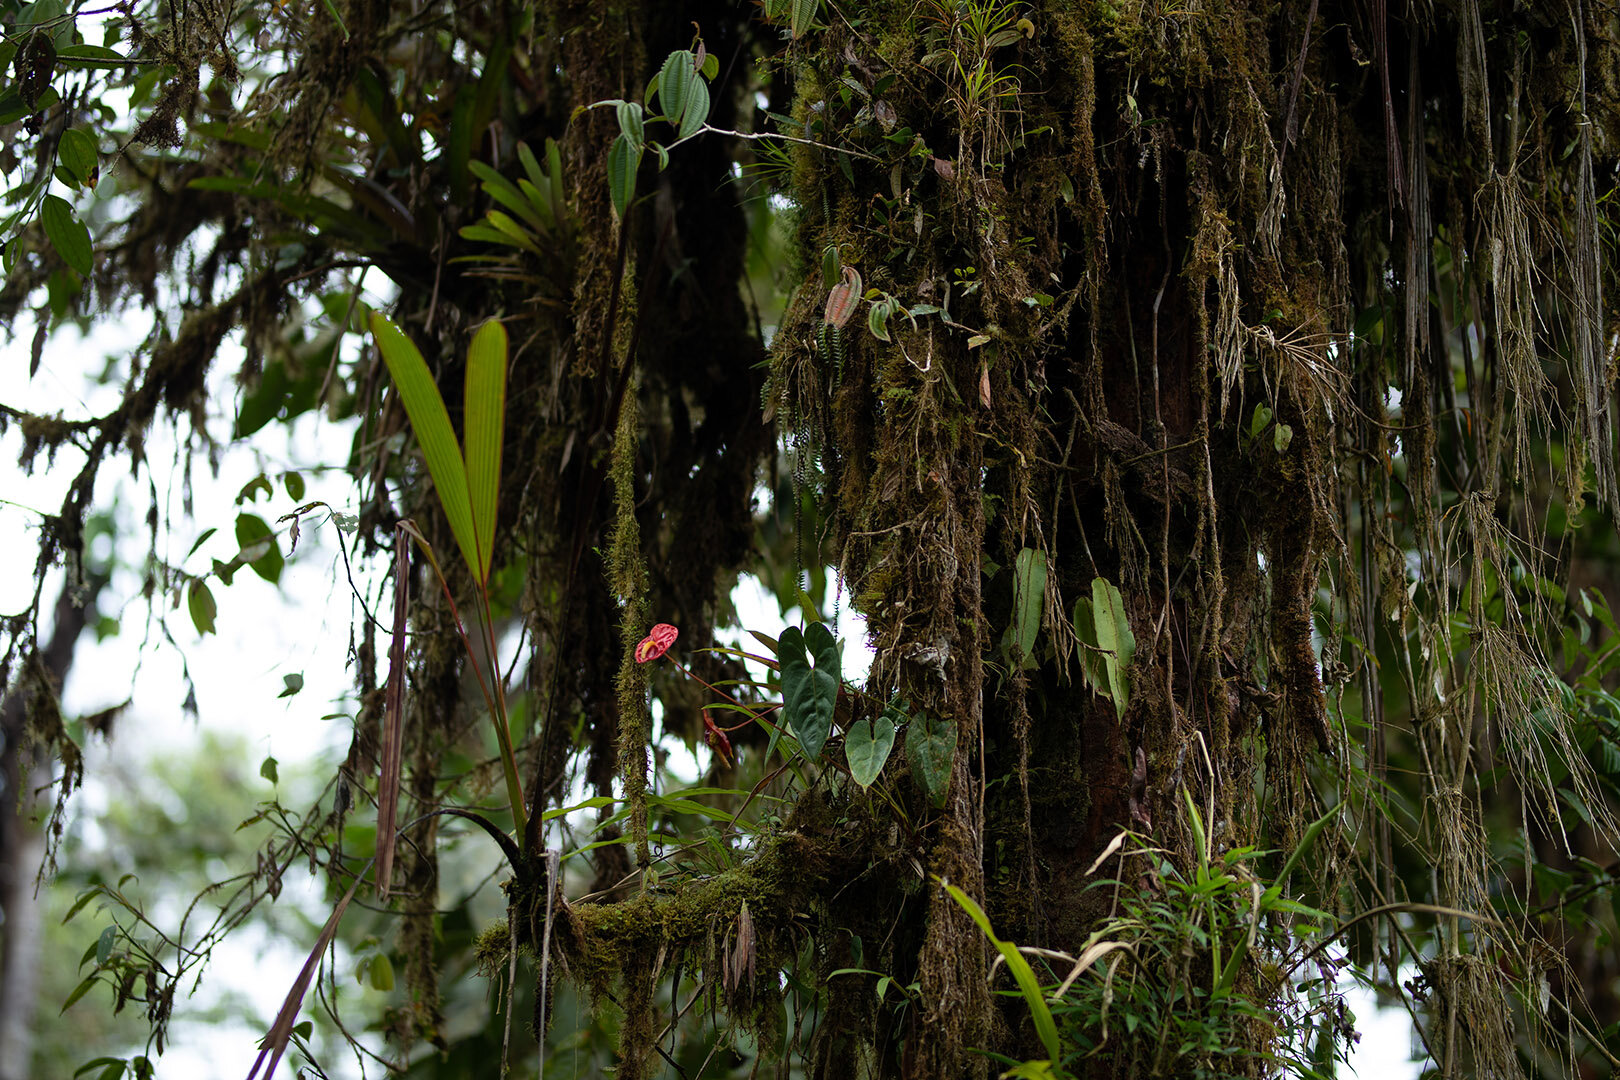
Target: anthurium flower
{"x": 657, "y": 643}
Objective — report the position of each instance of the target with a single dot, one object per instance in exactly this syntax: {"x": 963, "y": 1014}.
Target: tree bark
{"x": 22, "y": 845}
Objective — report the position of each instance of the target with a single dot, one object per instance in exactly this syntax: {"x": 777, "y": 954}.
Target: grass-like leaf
{"x": 431, "y": 423}
{"x": 486, "y": 425}
{"x": 1023, "y": 974}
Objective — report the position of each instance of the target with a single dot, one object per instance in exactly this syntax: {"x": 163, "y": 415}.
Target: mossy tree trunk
{"x": 1136, "y": 239}
{"x": 1075, "y": 200}
{"x": 1146, "y": 283}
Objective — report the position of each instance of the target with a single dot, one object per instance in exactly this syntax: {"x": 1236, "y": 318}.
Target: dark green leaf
{"x": 1114, "y": 638}
{"x": 77, "y": 151}
{"x": 105, "y": 943}
{"x": 536, "y": 177}
{"x": 1029, "y": 602}
{"x": 98, "y": 1063}
{"x": 931, "y": 748}
{"x": 201, "y": 602}
{"x": 267, "y": 769}
{"x": 1258, "y": 422}
{"x": 804, "y": 13}
{"x": 67, "y": 234}
{"x": 431, "y": 423}
{"x": 84, "y": 898}
{"x": 259, "y": 548}
{"x": 294, "y": 483}
{"x": 675, "y": 80}
{"x": 555, "y": 178}
{"x": 832, "y": 266}
{"x": 461, "y": 141}
{"x": 623, "y": 159}
{"x": 250, "y": 490}
{"x": 630, "y": 122}
{"x": 201, "y": 540}
{"x": 293, "y": 682}
{"x": 809, "y": 695}
{"x": 696, "y": 113}
{"x": 485, "y": 397}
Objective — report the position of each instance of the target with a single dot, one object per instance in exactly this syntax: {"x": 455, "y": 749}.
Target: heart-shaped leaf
{"x": 867, "y": 747}
{"x": 931, "y": 747}
{"x": 809, "y": 694}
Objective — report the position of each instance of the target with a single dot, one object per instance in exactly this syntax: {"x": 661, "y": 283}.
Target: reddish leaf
{"x": 656, "y": 643}
{"x": 274, "y": 1044}
{"x": 844, "y": 298}
{"x": 716, "y": 738}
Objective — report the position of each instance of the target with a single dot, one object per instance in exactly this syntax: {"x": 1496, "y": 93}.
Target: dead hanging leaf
{"x": 276, "y": 1039}
{"x": 37, "y": 351}
{"x": 1141, "y": 811}
{"x": 944, "y": 168}
{"x": 743, "y": 955}
{"x": 984, "y": 385}
{"x": 1096, "y": 952}
{"x": 716, "y": 737}
{"x": 34, "y": 67}
{"x": 1113, "y": 845}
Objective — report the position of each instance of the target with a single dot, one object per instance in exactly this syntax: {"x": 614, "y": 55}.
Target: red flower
{"x": 657, "y": 643}
{"x": 716, "y": 739}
